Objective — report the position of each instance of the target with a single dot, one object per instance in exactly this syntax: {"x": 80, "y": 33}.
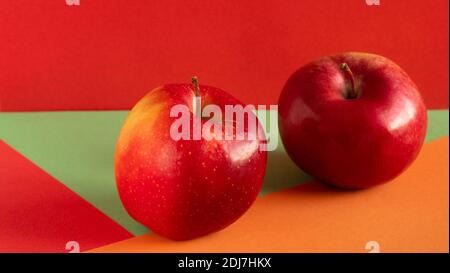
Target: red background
{"x": 106, "y": 54}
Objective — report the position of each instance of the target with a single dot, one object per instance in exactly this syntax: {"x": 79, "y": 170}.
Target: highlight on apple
{"x": 239, "y": 122}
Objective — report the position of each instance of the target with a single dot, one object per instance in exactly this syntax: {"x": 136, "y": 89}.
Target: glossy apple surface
{"x": 354, "y": 120}
{"x": 187, "y": 188}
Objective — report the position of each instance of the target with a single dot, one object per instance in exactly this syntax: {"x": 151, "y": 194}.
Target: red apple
{"x": 182, "y": 189}
{"x": 354, "y": 120}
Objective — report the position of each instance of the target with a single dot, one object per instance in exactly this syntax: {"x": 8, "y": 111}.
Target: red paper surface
{"x": 39, "y": 214}
{"x": 106, "y": 54}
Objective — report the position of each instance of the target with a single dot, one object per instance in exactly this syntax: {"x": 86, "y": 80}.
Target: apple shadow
{"x": 281, "y": 172}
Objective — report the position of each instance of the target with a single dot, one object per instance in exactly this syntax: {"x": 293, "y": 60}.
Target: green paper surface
{"x": 77, "y": 148}
{"x": 437, "y": 124}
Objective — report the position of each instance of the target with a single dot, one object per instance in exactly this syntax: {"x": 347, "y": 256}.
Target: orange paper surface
{"x": 409, "y": 214}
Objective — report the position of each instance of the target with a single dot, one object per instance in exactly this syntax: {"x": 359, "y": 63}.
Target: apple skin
{"x": 352, "y": 143}
{"x": 187, "y": 188}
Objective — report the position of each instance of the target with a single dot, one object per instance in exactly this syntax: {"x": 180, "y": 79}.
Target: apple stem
{"x": 196, "y": 100}
{"x": 353, "y": 93}
{"x": 195, "y": 84}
